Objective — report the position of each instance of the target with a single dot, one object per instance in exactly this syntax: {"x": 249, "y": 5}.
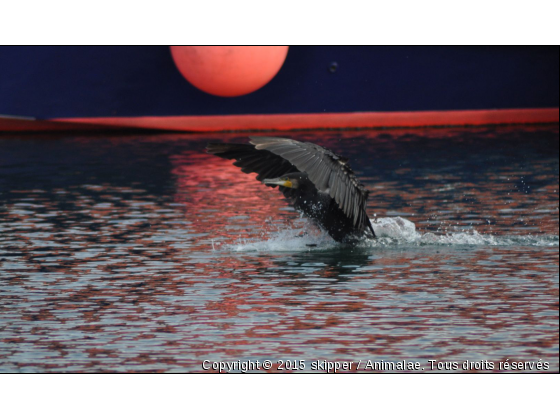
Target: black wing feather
{"x": 262, "y": 162}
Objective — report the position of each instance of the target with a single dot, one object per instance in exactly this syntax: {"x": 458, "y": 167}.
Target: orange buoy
{"x": 229, "y": 71}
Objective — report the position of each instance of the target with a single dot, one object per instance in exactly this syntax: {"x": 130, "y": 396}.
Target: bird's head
{"x": 287, "y": 181}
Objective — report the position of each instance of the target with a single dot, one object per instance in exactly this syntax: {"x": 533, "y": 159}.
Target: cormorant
{"x": 318, "y": 182}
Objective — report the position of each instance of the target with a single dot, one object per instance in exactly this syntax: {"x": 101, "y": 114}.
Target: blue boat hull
{"x": 84, "y": 82}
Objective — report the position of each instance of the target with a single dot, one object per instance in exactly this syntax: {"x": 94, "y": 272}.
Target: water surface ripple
{"x": 144, "y": 254}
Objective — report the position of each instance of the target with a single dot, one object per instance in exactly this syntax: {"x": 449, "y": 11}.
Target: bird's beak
{"x": 277, "y": 181}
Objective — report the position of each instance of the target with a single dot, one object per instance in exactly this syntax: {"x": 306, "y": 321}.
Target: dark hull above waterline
{"x": 368, "y": 86}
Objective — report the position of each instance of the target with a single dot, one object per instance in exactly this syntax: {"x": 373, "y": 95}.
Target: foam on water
{"x": 287, "y": 239}
{"x": 391, "y": 232}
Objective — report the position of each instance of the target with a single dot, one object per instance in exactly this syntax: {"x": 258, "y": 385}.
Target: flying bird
{"x": 317, "y": 182}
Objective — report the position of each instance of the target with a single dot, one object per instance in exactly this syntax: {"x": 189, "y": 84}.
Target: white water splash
{"x": 391, "y": 232}
{"x": 400, "y": 231}
{"x": 287, "y": 239}
{"x": 395, "y": 228}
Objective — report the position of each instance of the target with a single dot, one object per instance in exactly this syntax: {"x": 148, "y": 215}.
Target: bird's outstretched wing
{"x": 272, "y": 157}
{"x": 328, "y": 172}
{"x": 264, "y": 163}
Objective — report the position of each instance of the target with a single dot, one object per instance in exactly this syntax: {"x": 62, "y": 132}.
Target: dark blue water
{"x": 142, "y": 253}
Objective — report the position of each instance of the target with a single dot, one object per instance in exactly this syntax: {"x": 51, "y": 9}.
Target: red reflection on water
{"x": 107, "y": 283}
{"x": 215, "y": 192}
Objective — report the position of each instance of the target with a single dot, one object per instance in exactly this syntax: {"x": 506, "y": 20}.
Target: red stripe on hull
{"x": 28, "y": 124}
{"x": 294, "y": 121}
